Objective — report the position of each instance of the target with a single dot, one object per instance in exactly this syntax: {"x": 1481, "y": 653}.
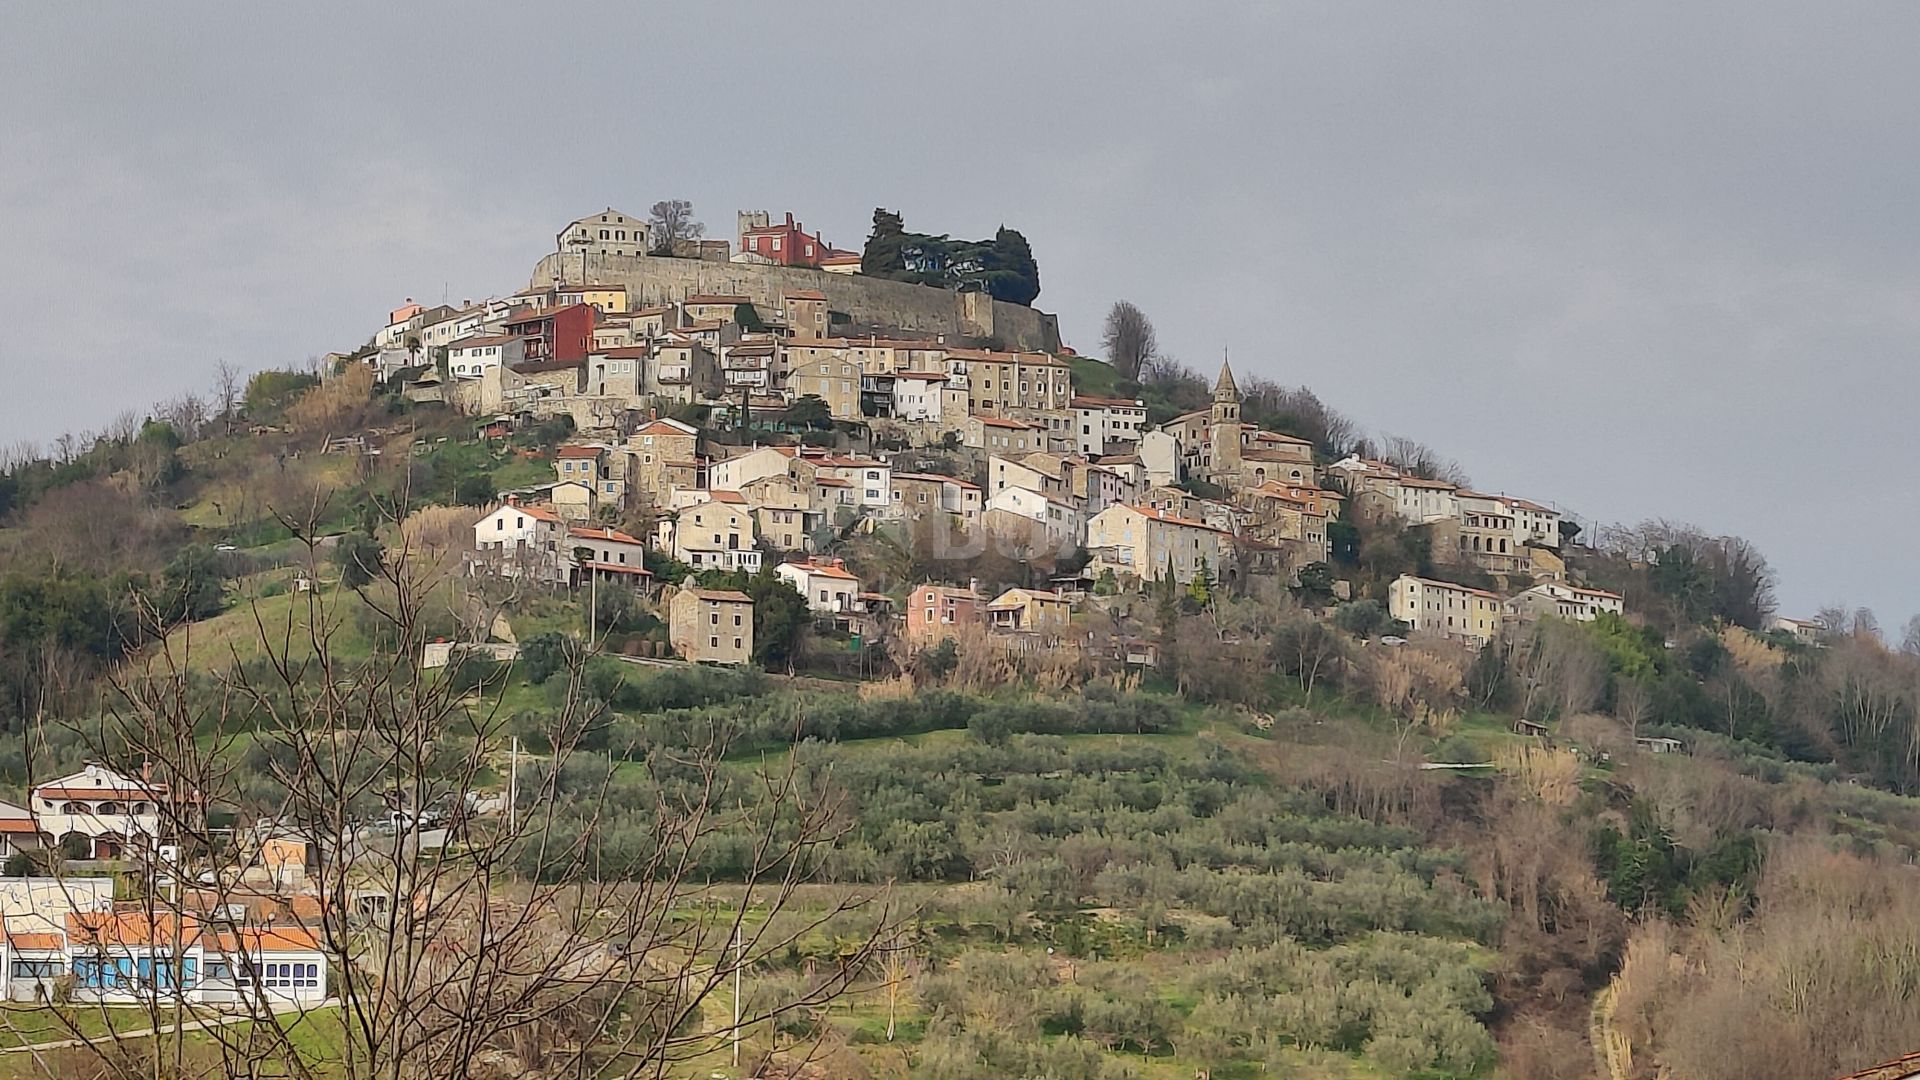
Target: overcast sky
{"x": 1640, "y": 260}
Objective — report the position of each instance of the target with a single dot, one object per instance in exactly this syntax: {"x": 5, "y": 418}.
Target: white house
{"x": 1160, "y": 458}
{"x": 1534, "y": 523}
{"x": 737, "y": 472}
{"x": 1426, "y": 500}
{"x": 471, "y": 357}
{"x": 114, "y": 813}
{"x": 611, "y": 555}
{"x": 1100, "y": 422}
{"x": 919, "y": 396}
{"x": 1565, "y": 601}
{"x": 1061, "y": 519}
{"x": 520, "y": 540}
{"x": 827, "y": 584}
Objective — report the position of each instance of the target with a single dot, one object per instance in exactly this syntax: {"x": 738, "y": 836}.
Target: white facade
{"x": 521, "y": 540}
{"x": 827, "y": 585}
{"x": 470, "y": 358}
{"x": 1426, "y": 500}
{"x": 1160, "y": 458}
{"x": 1098, "y": 422}
{"x": 737, "y": 472}
{"x": 919, "y": 397}
{"x": 115, "y": 813}
{"x": 1062, "y": 521}
{"x": 1535, "y": 523}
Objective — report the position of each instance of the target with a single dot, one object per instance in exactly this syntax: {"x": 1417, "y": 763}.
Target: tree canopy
{"x": 1003, "y": 267}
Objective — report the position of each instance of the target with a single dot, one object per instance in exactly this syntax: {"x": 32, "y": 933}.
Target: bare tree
{"x": 1421, "y": 460}
{"x": 1632, "y": 702}
{"x": 186, "y": 413}
{"x": 1129, "y": 339}
{"x": 670, "y": 226}
{"x": 564, "y": 919}
{"x": 226, "y": 392}
{"x": 1910, "y": 637}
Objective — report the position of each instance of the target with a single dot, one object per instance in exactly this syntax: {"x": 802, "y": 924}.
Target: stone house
{"x": 1146, "y": 544}
{"x": 711, "y": 626}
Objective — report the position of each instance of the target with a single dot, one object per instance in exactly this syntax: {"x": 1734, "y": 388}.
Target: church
{"x": 1216, "y": 447}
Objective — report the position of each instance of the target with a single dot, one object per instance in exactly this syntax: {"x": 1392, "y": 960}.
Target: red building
{"x": 559, "y": 333}
{"x": 939, "y": 611}
{"x": 787, "y": 244}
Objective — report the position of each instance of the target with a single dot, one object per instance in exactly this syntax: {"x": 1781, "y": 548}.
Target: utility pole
{"x": 738, "y": 948}
{"x": 513, "y": 784}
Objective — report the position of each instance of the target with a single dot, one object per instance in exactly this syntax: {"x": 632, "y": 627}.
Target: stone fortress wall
{"x": 651, "y": 281}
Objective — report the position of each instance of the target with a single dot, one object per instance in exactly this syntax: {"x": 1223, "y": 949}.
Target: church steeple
{"x": 1224, "y": 388}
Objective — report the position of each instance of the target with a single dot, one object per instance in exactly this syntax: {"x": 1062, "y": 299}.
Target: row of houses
{"x": 1476, "y": 616}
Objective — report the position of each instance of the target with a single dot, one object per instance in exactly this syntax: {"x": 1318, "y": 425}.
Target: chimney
{"x": 973, "y": 586}
{"x": 513, "y": 500}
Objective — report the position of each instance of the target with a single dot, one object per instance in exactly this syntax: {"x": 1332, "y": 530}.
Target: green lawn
{"x": 1093, "y": 377}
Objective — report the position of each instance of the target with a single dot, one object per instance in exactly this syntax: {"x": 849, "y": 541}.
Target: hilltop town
{"x": 732, "y": 431}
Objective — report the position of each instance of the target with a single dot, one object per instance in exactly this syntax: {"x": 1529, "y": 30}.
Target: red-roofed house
{"x": 128, "y": 957}
{"x": 826, "y": 583}
{"x": 938, "y": 611}
{"x": 559, "y": 333}
{"x": 518, "y": 540}
{"x": 613, "y": 556}
{"x": 115, "y": 814}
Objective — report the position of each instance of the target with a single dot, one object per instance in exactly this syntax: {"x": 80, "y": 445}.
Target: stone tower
{"x": 1225, "y": 424}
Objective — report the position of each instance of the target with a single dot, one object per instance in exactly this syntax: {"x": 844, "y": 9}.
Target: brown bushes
{"x": 1823, "y": 979}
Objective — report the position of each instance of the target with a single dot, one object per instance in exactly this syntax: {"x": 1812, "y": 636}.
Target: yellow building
{"x": 1029, "y": 610}
{"x": 606, "y": 299}
{"x": 1441, "y": 607}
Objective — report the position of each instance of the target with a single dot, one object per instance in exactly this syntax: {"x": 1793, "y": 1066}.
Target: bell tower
{"x": 1224, "y": 417}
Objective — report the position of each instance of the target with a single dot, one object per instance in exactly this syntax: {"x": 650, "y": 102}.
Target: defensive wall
{"x": 651, "y": 281}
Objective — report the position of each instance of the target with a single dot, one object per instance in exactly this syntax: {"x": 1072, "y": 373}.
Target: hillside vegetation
{"x": 1239, "y": 862}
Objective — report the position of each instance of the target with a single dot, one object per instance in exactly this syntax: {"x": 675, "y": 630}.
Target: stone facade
{"x": 651, "y": 280}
